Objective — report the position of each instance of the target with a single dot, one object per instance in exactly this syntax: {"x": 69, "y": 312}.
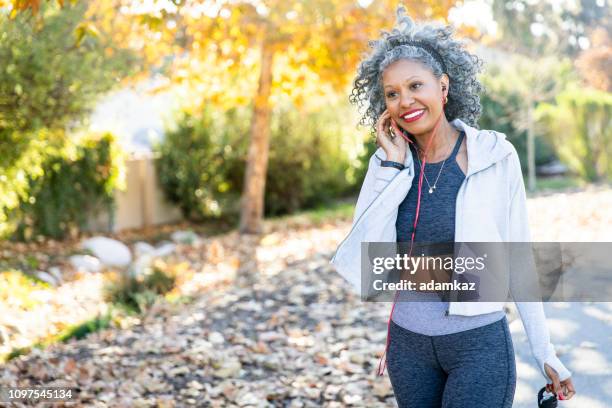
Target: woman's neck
{"x": 441, "y": 145}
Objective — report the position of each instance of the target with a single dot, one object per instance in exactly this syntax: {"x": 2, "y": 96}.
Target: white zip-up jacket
{"x": 490, "y": 207}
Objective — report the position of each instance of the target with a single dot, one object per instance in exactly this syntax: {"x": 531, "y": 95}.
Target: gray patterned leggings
{"x": 470, "y": 369}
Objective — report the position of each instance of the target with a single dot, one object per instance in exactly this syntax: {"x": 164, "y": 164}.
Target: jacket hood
{"x": 484, "y": 147}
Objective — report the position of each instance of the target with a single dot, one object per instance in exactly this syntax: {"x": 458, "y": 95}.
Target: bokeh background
{"x": 175, "y": 176}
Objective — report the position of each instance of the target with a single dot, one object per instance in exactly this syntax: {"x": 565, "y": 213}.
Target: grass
{"x": 82, "y": 330}
{"x": 558, "y": 183}
{"x": 554, "y": 184}
{"x": 338, "y": 210}
{"x": 77, "y": 331}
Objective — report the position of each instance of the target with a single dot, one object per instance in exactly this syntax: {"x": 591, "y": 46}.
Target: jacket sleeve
{"x": 379, "y": 226}
{"x": 531, "y": 312}
{"x": 376, "y": 179}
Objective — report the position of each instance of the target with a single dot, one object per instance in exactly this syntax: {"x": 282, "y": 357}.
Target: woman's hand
{"x": 390, "y": 138}
{"x": 563, "y": 389}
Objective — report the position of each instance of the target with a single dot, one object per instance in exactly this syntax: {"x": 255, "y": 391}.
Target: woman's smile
{"x": 414, "y": 116}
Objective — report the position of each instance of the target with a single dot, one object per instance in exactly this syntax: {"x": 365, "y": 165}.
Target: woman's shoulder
{"x": 511, "y": 160}
{"x": 497, "y": 140}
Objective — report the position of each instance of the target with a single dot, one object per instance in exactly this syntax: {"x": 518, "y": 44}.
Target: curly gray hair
{"x": 461, "y": 68}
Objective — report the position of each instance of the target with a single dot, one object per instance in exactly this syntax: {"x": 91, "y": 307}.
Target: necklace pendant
{"x": 430, "y": 190}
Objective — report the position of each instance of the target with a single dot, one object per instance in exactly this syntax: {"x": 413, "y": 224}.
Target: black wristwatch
{"x": 389, "y": 163}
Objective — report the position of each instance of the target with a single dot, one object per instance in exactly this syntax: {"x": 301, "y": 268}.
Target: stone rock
{"x": 271, "y": 336}
{"x": 46, "y": 277}
{"x": 179, "y": 370}
{"x": 109, "y": 251}
{"x": 247, "y": 398}
{"x": 165, "y": 401}
{"x": 358, "y": 358}
{"x": 185, "y": 237}
{"x": 228, "y": 368}
{"x": 141, "y": 248}
{"x": 216, "y": 338}
{"x": 164, "y": 249}
{"x": 56, "y": 273}
{"x": 332, "y": 391}
{"x": 140, "y": 265}
{"x": 296, "y": 403}
{"x": 85, "y": 263}
{"x": 195, "y": 384}
{"x": 382, "y": 388}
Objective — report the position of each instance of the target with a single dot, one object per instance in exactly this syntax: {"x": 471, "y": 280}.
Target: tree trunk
{"x": 252, "y": 200}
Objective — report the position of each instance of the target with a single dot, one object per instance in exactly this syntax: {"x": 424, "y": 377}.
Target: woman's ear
{"x": 444, "y": 82}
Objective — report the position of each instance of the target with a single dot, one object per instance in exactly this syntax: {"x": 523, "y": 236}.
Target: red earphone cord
{"x": 416, "y": 218}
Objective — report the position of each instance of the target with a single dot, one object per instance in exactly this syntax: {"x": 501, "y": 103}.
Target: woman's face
{"x": 414, "y": 96}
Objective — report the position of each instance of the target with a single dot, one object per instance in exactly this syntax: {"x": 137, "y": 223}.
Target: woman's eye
{"x": 416, "y": 85}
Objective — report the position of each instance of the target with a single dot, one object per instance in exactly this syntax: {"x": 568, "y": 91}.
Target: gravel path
{"x": 288, "y": 333}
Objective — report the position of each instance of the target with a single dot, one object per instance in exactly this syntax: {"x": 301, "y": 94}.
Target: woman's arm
{"x": 532, "y": 313}
{"x": 376, "y": 179}
{"x": 378, "y": 226}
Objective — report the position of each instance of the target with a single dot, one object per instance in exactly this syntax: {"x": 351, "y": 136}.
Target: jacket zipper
{"x": 461, "y": 188}
{"x": 460, "y": 203}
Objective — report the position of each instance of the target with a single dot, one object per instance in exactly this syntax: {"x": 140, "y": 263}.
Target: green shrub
{"x": 77, "y": 181}
{"x": 312, "y": 160}
{"x": 579, "y": 126}
{"x": 51, "y": 78}
{"x": 200, "y": 165}
{"x": 493, "y": 113}
{"x": 138, "y": 293}
{"x": 15, "y": 177}
{"x": 504, "y": 108}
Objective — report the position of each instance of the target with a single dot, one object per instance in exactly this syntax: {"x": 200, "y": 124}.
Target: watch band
{"x": 389, "y": 163}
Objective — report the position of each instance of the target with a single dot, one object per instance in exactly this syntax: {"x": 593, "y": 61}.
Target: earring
{"x": 446, "y": 97}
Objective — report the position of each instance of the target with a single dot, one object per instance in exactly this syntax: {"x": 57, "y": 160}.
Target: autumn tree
{"x": 238, "y": 52}
{"x": 595, "y": 63}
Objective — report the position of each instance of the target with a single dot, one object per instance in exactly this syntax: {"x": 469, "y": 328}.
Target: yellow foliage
{"x": 317, "y": 44}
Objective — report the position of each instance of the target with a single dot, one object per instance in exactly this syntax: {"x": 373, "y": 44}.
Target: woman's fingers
{"x": 379, "y": 125}
{"x": 554, "y": 376}
{"x": 398, "y": 131}
{"x": 568, "y": 387}
{"x": 565, "y": 391}
{"x": 382, "y": 128}
{"x": 556, "y": 384}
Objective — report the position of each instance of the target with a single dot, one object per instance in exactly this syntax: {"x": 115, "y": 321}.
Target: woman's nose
{"x": 406, "y": 101}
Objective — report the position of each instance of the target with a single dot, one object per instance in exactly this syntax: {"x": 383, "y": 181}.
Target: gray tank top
{"x": 426, "y": 313}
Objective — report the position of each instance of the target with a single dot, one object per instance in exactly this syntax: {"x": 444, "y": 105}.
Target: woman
{"x": 421, "y": 92}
